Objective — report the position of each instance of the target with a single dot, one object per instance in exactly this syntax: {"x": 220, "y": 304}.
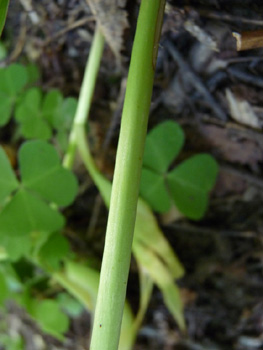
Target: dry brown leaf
{"x": 242, "y": 111}
{"x": 230, "y": 148}
{"x": 112, "y": 19}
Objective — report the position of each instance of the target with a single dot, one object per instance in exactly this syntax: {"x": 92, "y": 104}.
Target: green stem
{"x": 122, "y": 214}
{"x": 86, "y": 93}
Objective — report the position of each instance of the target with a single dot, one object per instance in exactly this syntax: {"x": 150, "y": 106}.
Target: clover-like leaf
{"x": 42, "y": 172}
{"x": 8, "y": 181}
{"x": 162, "y": 146}
{"x": 26, "y": 219}
{"x": 12, "y": 81}
{"x": 153, "y": 190}
{"x": 26, "y": 213}
{"x": 29, "y": 114}
{"x": 190, "y": 183}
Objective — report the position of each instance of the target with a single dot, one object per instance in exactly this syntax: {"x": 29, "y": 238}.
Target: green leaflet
{"x": 41, "y": 171}
{"x": 162, "y": 146}
{"x": 190, "y": 182}
{"x": 26, "y": 213}
{"x": 28, "y": 114}
{"x": 13, "y": 79}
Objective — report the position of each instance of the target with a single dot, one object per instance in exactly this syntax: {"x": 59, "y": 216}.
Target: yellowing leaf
{"x": 148, "y": 234}
{"x": 155, "y": 256}
{"x": 163, "y": 278}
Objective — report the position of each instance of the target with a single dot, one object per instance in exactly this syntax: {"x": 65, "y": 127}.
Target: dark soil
{"x": 216, "y": 94}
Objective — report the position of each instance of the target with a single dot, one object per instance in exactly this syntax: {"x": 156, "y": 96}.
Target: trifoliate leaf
{"x": 12, "y": 81}
{"x": 50, "y": 318}
{"x": 8, "y": 181}
{"x": 162, "y": 146}
{"x": 153, "y": 190}
{"x": 26, "y": 213}
{"x": 190, "y": 183}
{"x": 54, "y": 250}
{"x": 29, "y": 114}
{"x": 42, "y": 172}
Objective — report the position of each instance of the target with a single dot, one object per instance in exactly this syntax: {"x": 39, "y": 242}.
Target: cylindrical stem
{"x": 121, "y": 221}
{"x": 86, "y": 94}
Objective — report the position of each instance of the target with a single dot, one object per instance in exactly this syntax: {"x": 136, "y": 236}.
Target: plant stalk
{"x": 124, "y": 197}
{"x": 86, "y": 94}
